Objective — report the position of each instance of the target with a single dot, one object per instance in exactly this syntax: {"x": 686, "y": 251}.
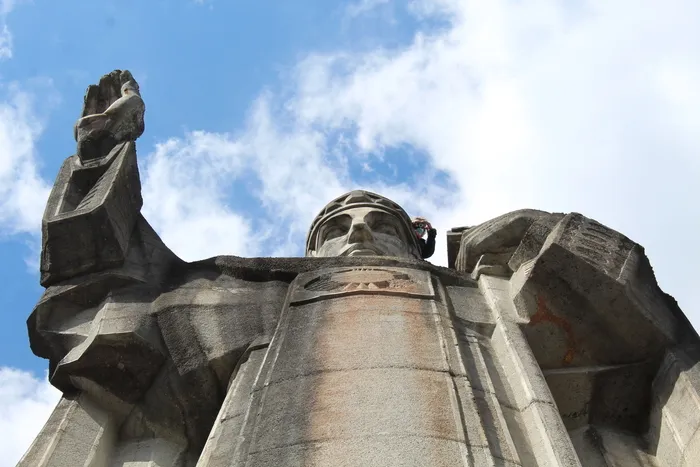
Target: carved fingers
{"x": 110, "y": 89}
{"x": 91, "y": 100}
{"x": 99, "y": 97}
{"x": 125, "y": 77}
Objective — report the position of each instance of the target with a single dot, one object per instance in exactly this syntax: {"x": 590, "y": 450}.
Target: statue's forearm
{"x": 90, "y": 216}
{"x": 95, "y": 204}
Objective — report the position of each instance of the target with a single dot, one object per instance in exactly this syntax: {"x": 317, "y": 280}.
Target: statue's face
{"x": 363, "y": 231}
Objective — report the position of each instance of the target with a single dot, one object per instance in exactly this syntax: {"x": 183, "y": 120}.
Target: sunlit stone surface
{"x": 547, "y": 342}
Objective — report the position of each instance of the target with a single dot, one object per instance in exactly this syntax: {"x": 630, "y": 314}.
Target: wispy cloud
{"x": 361, "y": 7}
{"x": 6, "y": 7}
{"x": 507, "y": 105}
{"x": 27, "y": 402}
{"x": 277, "y": 176}
{"x": 515, "y": 105}
{"x": 587, "y": 107}
{"x": 209, "y": 3}
{"x": 23, "y": 192}
{"x": 5, "y": 42}
{"x": 576, "y": 106}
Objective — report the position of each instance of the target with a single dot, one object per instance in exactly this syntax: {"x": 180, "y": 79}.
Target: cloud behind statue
{"x": 457, "y": 111}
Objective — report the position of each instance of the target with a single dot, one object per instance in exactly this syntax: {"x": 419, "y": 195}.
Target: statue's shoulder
{"x": 573, "y": 264}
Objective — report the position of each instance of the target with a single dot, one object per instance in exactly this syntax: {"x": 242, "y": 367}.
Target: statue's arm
{"x": 92, "y": 219}
{"x": 100, "y": 260}
{"x": 569, "y": 264}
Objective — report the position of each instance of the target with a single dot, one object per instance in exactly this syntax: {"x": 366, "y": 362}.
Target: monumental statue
{"x": 545, "y": 342}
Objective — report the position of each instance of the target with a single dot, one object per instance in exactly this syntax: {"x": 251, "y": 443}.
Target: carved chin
{"x": 365, "y": 252}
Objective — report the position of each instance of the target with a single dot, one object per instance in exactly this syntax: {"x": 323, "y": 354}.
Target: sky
{"x": 260, "y": 112}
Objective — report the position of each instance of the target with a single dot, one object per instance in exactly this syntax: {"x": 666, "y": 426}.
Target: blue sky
{"x": 200, "y": 66}
{"x": 260, "y": 112}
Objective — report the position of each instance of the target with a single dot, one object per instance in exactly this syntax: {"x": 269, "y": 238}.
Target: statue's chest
{"x": 359, "y": 366}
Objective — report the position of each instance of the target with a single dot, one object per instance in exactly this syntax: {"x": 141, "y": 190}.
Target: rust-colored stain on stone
{"x": 348, "y": 403}
{"x": 544, "y": 315}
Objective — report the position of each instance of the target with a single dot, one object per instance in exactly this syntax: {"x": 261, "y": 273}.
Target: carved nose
{"x": 360, "y": 233}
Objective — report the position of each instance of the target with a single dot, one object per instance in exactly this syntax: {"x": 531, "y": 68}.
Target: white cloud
{"x": 184, "y": 195}
{"x": 6, "y": 7}
{"x": 23, "y": 192}
{"x": 5, "y": 42}
{"x": 586, "y": 106}
{"x": 26, "y": 403}
{"x": 188, "y": 181}
{"x": 205, "y": 2}
{"x": 361, "y": 7}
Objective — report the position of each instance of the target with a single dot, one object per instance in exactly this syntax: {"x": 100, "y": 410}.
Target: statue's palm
{"x": 112, "y": 113}
{"x": 99, "y": 97}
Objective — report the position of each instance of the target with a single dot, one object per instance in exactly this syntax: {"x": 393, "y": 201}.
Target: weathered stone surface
{"x": 500, "y": 235}
{"x": 592, "y": 292}
{"x": 207, "y": 323}
{"x": 361, "y": 223}
{"x": 675, "y": 417}
{"x": 63, "y": 317}
{"x": 543, "y": 436}
{"x": 90, "y": 216}
{"x": 113, "y": 113}
{"x": 603, "y": 446}
{"x": 614, "y": 396}
{"x": 78, "y": 432}
{"x": 533, "y": 240}
{"x": 162, "y": 412}
{"x": 337, "y": 359}
{"x": 454, "y": 239}
{"x": 149, "y": 453}
{"x": 122, "y": 351}
{"x": 380, "y": 450}
{"x": 225, "y": 437}
{"x": 470, "y": 309}
{"x": 548, "y": 343}
{"x": 287, "y": 269}
{"x": 493, "y": 264}
{"x": 589, "y": 312}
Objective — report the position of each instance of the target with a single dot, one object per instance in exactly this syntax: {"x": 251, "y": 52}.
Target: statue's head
{"x": 362, "y": 223}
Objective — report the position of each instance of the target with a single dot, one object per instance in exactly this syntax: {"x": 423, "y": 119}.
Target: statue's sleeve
{"x": 90, "y": 215}
{"x": 102, "y": 265}
{"x": 578, "y": 307}
{"x": 142, "y": 345}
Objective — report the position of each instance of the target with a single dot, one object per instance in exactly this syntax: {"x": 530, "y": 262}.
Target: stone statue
{"x": 362, "y": 224}
{"x": 546, "y": 342}
{"x": 113, "y": 112}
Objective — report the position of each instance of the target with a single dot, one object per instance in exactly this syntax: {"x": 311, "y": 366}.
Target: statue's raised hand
{"x": 113, "y": 112}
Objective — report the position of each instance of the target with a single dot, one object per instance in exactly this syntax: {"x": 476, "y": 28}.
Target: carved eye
{"x": 388, "y": 229}
{"x": 334, "y": 232}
